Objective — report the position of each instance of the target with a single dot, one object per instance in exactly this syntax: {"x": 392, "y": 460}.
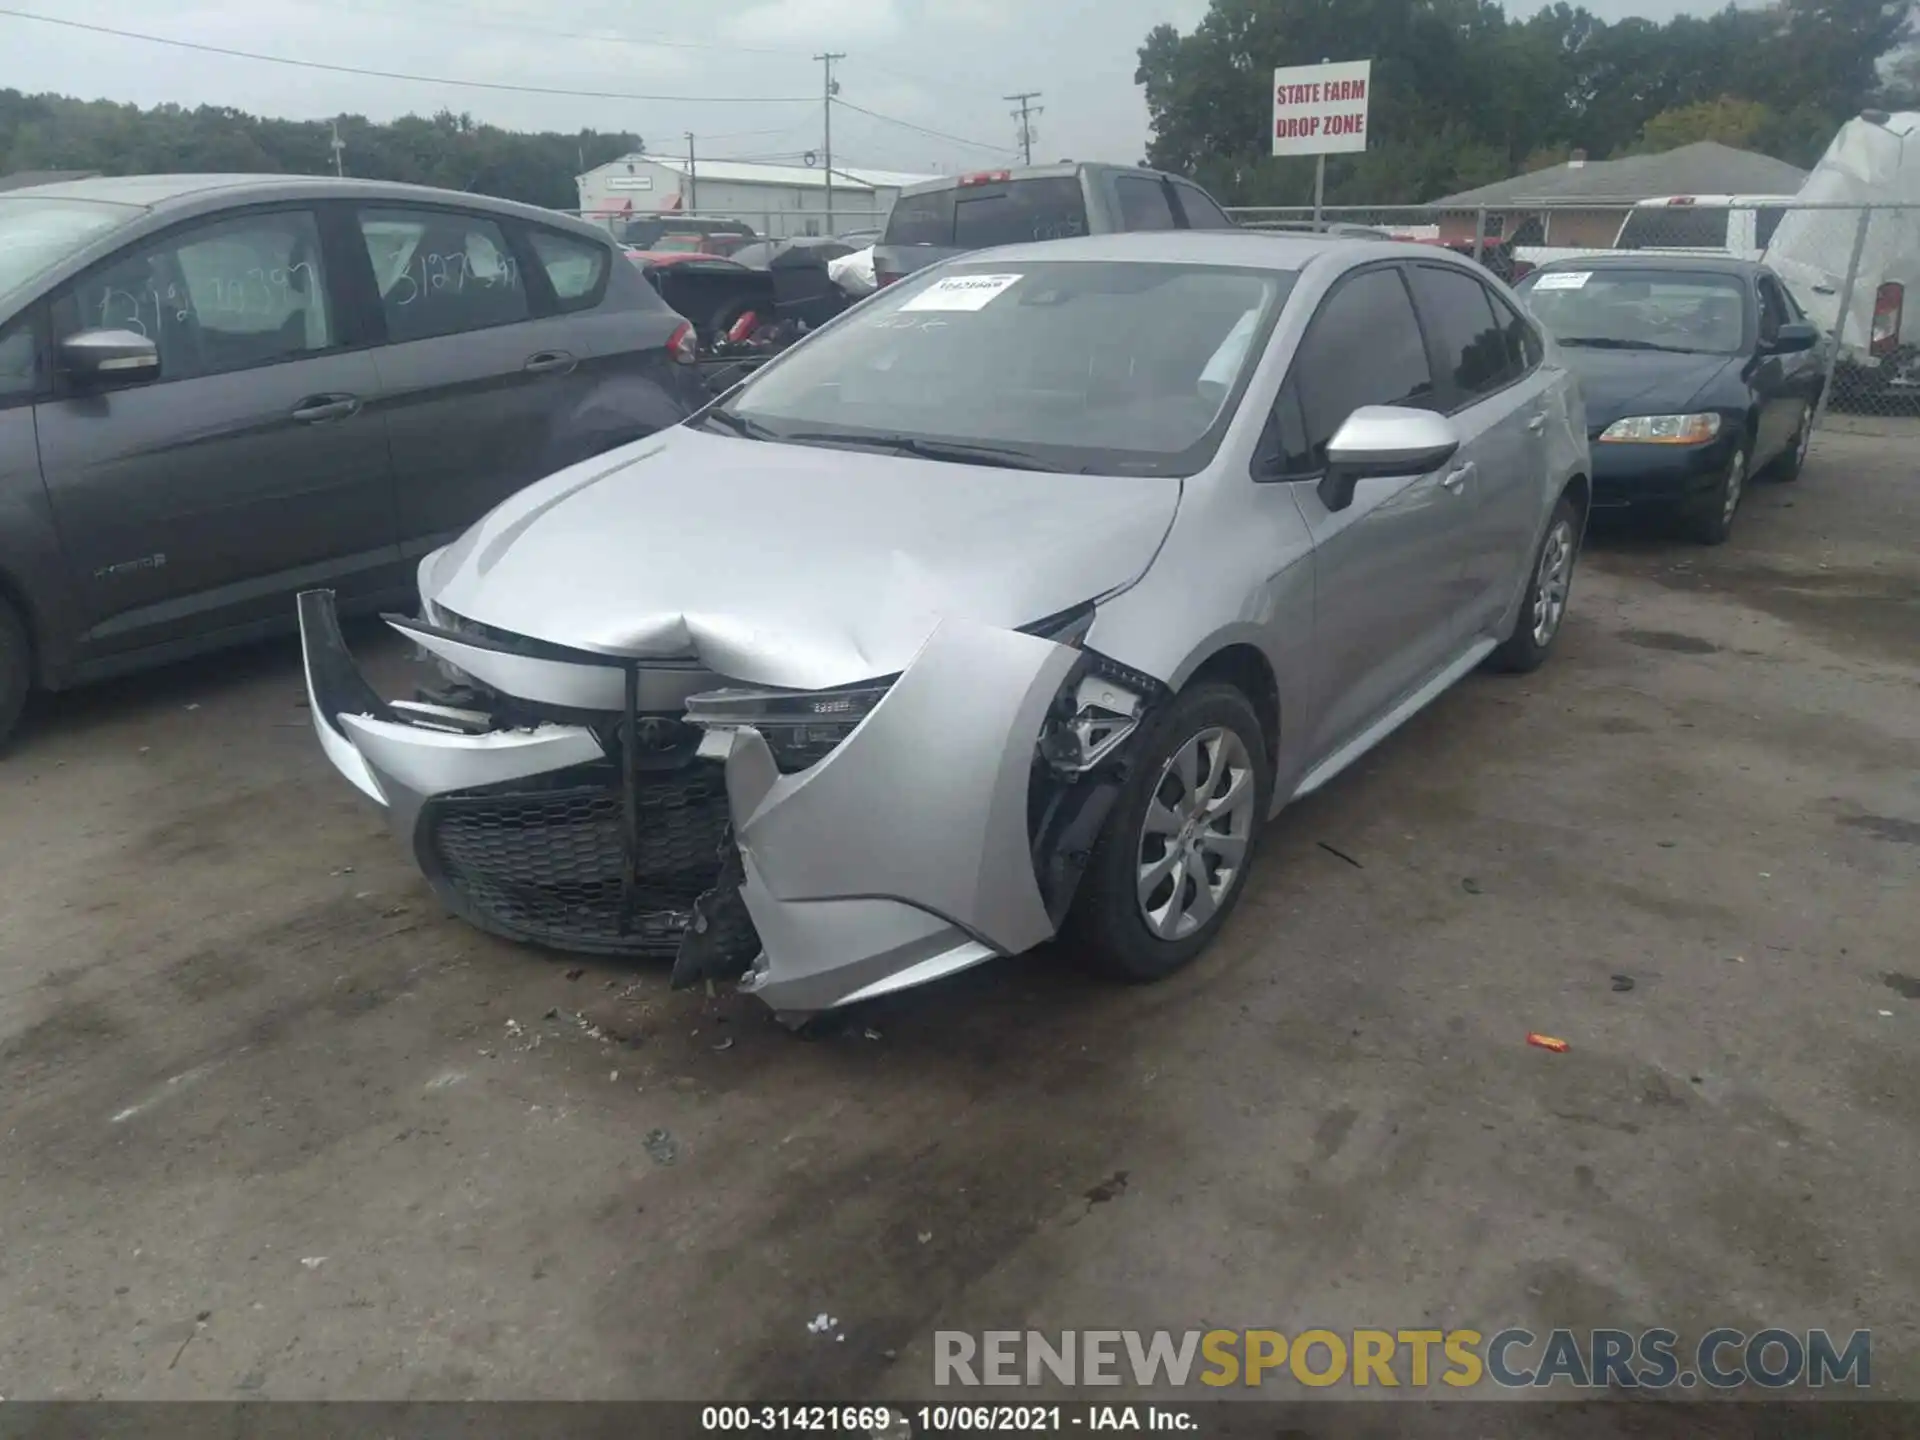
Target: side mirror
{"x": 1384, "y": 440}
{"x": 110, "y": 355}
{"x": 1793, "y": 338}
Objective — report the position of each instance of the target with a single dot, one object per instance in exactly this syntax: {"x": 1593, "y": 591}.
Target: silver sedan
{"x": 1012, "y": 604}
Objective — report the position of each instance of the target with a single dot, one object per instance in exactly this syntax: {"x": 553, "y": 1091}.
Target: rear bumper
{"x": 906, "y": 854}
{"x": 1630, "y": 475}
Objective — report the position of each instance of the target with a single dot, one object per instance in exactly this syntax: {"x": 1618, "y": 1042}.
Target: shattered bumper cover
{"x": 914, "y": 845}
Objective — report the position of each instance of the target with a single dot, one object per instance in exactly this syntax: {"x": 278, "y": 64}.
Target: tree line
{"x": 57, "y": 132}
{"x": 1464, "y": 95}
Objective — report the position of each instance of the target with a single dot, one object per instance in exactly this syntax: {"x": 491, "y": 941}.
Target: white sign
{"x": 1563, "y": 280}
{"x": 1321, "y": 109}
{"x": 629, "y": 182}
{"x": 961, "y": 292}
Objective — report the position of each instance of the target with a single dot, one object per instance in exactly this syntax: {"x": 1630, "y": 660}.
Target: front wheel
{"x": 1544, "y": 606}
{"x": 1172, "y": 861}
{"x": 16, "y": 669}
{"x": 1712, "y": 523}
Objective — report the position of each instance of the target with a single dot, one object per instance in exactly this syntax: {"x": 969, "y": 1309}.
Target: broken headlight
{"x": 801, "y": 727}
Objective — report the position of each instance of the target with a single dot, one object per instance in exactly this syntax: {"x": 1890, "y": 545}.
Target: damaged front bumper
{"x": 821, "y": 848}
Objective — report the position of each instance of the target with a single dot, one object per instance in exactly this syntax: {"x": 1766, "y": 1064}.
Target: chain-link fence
{"x": 1848, "y": 270}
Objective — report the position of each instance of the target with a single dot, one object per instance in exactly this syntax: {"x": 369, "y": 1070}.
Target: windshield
{"x": 36, "y": 233}
{"x": 1675, "y": 227}
{"x": 1641, "y": 309}
{"x": 977, "y": 215}
{"x": 1119, "y": 367}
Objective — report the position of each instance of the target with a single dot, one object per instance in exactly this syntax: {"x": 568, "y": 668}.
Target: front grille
{"x": 544, "y": 864}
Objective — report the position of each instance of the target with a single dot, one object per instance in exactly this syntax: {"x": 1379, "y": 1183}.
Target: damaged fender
{"x": 908, "y": 847}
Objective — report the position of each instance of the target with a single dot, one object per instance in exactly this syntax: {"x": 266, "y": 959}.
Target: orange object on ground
{"x": 1547, "y": 1042}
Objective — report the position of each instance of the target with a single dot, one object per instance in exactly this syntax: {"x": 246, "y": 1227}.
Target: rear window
{"x": 973, "y": 217}
{"x": 1675, "y": 227}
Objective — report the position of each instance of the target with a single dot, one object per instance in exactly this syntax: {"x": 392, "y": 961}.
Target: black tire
{"x": 1794, "y": 459}
{"x": 1108, "y": 926}
{"x": 1538, "y": 625}
{"x": 16, "y": 668}
{"x": 1710, "y": 522}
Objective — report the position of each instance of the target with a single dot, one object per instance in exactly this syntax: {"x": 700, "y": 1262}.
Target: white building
{"x": 776, "y": 200}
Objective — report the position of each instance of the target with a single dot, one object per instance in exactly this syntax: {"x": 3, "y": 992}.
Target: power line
{"x": 921, "y": 129}
{"x": 1025, "y": 115}
{"x": 467, "y": 15}
{"x": 401, "y": 75}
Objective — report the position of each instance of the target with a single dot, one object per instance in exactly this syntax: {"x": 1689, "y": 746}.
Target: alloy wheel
{"x": 1193, "y": 841}
{"x": 1551, "y": 584}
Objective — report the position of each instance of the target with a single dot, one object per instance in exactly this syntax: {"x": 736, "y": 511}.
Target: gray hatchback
{"x": 216, "y": 390}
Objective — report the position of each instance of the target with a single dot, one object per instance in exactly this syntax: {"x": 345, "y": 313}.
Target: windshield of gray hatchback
{"x": 1122, "y": 367}
{"x": 35, "y": 233}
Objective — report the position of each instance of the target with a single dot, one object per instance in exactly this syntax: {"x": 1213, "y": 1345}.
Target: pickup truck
{"x": 1736, "y": 225}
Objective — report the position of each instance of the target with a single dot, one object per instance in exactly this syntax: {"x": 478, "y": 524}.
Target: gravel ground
{"x": 276, "y": 1127}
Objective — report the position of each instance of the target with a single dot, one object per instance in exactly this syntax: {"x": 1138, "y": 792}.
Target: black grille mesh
{"x": 544, "y": 865}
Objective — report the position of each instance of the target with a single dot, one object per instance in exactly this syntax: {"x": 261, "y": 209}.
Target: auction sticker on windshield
{"x": 961, "y": 292}
{"x": 1563, "y": 280}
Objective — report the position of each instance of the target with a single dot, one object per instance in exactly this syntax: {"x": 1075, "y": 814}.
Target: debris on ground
{"x": 925, "y": 1236}
{"x": 660, "y": 1147}
{"x": 1546, "y": 1042}
{"x": 1622, "y": 984}
{"x": 821, "y": 1324}
{"x": 1471, "y": 886}
{"x": 313, "y": 1262}
{"x": 872, "y": 1034}
{"x": 575, "y": 973}
{"x": 1339, "y": 854}
{"x": 726, "y": 1044}
{"x": 513, "y": 1027}
{"x": 1112, "y": 1187}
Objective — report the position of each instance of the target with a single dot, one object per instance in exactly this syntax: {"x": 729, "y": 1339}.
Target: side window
{"x": 1201, "y": 212}
{"x": 1283, "y": 449}
{"x": 1364, "y": 348}
{"x": 440, "y": 272}
{"x": 1143, "y": 203}
{"x": 19, "y": 362}
{"x": 214, "y": 298}
{"x": 1773, "y": 308}
{"x": 1472, "y": 350}
{"x": 576, "y": 268}
{"x": 1524, "y": 350}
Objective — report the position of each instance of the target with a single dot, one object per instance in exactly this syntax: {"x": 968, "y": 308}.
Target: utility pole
{"x": 830, "y": 89}
{"x": 338, "y": 146}
{"x": 693, "y": 178}
{"x": 1025, "y": 115}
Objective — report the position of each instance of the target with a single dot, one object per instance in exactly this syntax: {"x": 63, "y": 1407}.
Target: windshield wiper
{"x": 954, "y": 452}
{"x": 1602, "y": 342}
{"x": 739, "y": 425}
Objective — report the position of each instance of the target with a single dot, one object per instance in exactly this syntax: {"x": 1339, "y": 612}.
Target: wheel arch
{"x": 1247, "y": 669}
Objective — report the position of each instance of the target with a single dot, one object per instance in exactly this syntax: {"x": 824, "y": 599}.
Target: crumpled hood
{"x": 1619, "y": 383}
{"x": 792, "y": 565}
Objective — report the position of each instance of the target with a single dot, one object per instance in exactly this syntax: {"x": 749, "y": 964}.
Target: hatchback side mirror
{"x": 110, "y": 355}
{"x": 1793, "y": 338}
{"x": 1384, "y": 440}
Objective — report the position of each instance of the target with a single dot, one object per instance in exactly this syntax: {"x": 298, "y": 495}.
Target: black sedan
{"x": 1698, "y": 374}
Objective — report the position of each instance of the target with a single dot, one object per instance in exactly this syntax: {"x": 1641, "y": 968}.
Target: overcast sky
{"x": 939, "y": 64}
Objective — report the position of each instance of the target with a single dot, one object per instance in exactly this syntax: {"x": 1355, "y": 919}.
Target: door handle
{"x": 1537, "y": 424}
{"x": 1457, "y": 481}
{"x": 548, "y": 362}
{"x": 318, "y": 408}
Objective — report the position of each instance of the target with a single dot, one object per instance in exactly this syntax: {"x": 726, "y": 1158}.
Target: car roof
{"x": 1656, "y": 260}
{"x": 1034, "y": 172}
{"x": 162, "y": 194}
{"x": 1253, "y": 248}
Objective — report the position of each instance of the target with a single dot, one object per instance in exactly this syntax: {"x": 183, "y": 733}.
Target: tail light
{"x": 683, "y": 346}
{"x": 743, "y": 327}
{"x": 1888, "y": 302}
